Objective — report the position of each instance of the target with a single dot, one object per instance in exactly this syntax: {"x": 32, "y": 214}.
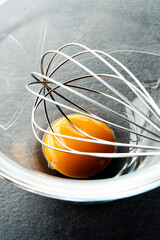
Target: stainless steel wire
{"x": 149, "y": 131}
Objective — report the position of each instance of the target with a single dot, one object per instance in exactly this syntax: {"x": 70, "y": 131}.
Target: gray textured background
{"x": 128, "y": 24}
{"x": 27, "y": 216}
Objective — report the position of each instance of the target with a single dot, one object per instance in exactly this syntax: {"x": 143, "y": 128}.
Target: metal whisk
{"x": 142, "y": 136}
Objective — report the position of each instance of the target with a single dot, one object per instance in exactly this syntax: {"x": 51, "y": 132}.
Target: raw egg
{"x": 75, "y": 165}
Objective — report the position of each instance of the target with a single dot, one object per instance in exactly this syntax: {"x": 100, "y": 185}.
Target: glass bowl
{"x": 30, "y": 28}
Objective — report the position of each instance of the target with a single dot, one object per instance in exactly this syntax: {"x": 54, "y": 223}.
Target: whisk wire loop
{"x": 46, "y": 92}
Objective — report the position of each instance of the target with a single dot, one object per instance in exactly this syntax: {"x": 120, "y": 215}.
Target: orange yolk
{"x": 74, "y": 165}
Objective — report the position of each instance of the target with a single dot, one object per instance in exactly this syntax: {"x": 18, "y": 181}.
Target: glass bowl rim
{"x": 80, "y": 190}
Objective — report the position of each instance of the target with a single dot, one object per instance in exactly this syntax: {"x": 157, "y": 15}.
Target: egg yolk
{"x": 74, "y": 165}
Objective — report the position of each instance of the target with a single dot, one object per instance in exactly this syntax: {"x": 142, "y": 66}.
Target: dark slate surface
{"x": 24, "y": 215}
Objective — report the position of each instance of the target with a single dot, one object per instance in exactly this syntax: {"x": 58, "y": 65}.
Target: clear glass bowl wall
{"x": 29, "y": 29}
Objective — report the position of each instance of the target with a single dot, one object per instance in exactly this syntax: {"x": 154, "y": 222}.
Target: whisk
{"x": 143, "y": 135}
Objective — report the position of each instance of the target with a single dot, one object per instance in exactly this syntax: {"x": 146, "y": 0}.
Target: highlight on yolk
{"x": 74, "y": 165}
